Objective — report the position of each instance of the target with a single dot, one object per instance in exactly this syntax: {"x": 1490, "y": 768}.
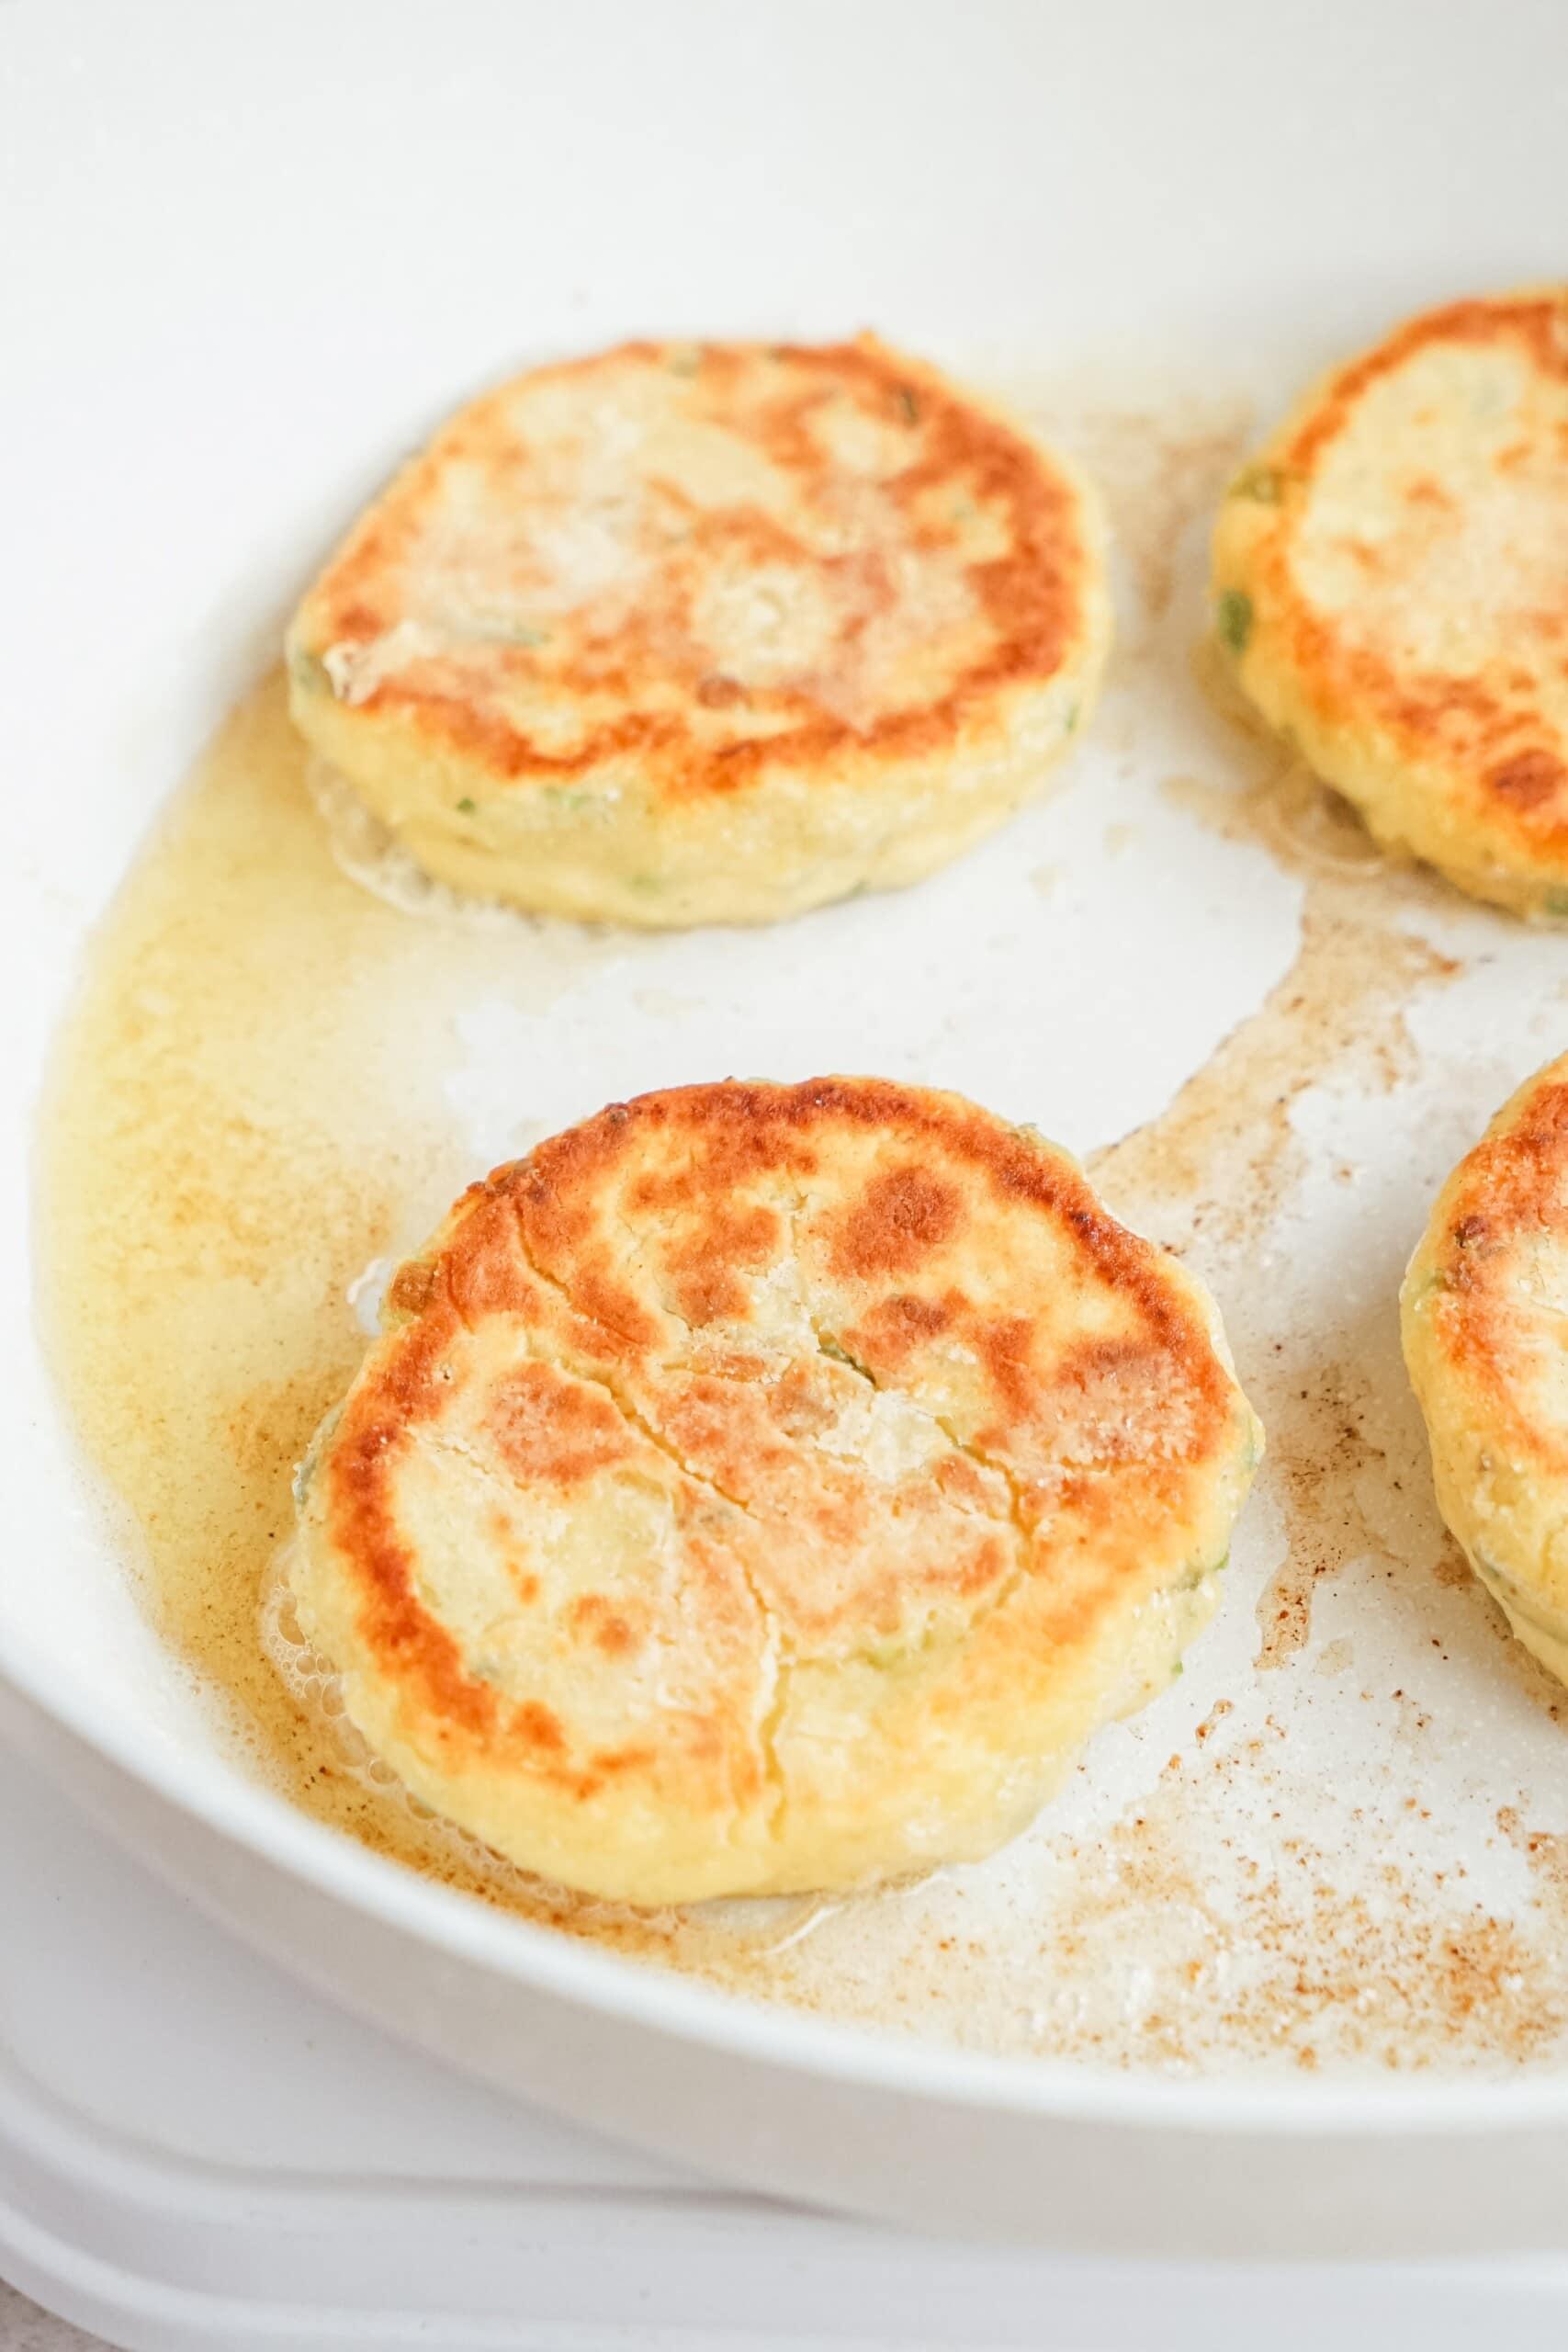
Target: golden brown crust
{"x": 1402, "y": 588}
{"x": 947, "y": 481}
{"x": 869, "y": 1382}
{"x": 1499, "y": 1222}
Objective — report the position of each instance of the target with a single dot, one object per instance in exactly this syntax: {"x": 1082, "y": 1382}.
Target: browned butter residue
{"x": 1289, "y": 1958}
{"x": 247, "y": 1108}
{"x": 1211, "y": 1174}
{"x": 1157, "y": 473}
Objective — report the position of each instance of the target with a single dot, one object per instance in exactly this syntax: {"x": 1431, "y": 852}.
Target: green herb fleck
{"x": 467, "y": 808}
{"x": 646, "y": 883}
{"x": 502, "y": 632}
{"x": 308, "y": 672}
{"x": 562, "y": 795}
{"x": 1265, "y": 485}
{"x": 1233, "y": 619}
{"x": 1557, "y": 902}
{"x": 505, "y": 632}
{"x": 1072, "y": 718}
{"x": 686, "y": 361}
{"x": 908, "y": 406}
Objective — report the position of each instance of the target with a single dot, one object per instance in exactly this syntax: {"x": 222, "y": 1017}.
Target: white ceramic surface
{"x": 195, "y": 2156}
{"x": 252, "y": 254}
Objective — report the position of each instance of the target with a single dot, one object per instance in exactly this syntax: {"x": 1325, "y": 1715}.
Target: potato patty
{"x": 1485, "y": 1313}
{"x": 686, "y": 633}
{"x": 1391, "y": 577}
{"x": 768, "y": 1488}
